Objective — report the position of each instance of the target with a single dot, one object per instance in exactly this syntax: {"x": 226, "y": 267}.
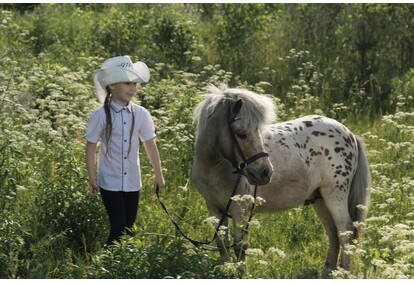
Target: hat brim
{"x": 104, "y": 77}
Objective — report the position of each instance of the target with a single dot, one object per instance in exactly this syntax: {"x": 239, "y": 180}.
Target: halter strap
{"x": 242, "y": 165}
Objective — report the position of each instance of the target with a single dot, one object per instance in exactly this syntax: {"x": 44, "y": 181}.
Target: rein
{"x": 222, "y": 219}
{"x": 239, "y": 172}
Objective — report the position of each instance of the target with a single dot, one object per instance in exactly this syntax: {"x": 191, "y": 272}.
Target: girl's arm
{"x": 91, "y": 168}
{"x": 153, "y": 155}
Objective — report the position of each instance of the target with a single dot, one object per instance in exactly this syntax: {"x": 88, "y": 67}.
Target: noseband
{"x": 240, "y": 167}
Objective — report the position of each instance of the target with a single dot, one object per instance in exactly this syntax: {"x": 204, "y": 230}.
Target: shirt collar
{"x": 118, "y": 108}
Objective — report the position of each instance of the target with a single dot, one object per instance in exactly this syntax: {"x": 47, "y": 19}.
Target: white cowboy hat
{"x": 119, "y": 69}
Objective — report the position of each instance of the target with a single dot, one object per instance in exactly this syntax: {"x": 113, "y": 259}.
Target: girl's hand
{"x": 154, "y": 157}
{"x": 91, "y": 167}
{"x": 94, "y": 189}
{"x": 159, "y": 183}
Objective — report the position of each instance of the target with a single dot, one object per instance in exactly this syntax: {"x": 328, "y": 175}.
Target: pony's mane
{"x": 257, "y": 110}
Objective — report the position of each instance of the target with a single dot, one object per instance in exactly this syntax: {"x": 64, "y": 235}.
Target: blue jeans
{"x": 122, "y": 208}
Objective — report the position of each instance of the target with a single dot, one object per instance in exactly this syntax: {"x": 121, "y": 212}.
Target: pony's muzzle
{"x": 260, "y": 175}
{"x": 267, "y": 173}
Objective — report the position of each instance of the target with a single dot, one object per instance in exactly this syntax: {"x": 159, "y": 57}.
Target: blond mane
{"x": 257, "y": 110}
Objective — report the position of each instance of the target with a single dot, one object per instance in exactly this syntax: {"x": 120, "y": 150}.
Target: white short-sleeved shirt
{"x": 119, "y": 171}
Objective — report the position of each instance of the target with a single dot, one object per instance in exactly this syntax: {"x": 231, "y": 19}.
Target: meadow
{"x": 52, "y": 228}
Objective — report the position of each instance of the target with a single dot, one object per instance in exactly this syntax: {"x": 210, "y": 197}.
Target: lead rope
{"x": 223, "y": 217}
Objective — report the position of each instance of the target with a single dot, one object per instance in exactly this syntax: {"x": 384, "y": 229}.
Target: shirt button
{"x": 125, "y": 173}
{"x": 124, "y": 123}
{"x": 125, "y": 140}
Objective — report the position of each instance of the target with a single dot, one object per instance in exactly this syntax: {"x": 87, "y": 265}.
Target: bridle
{"x": 239, "y": 169}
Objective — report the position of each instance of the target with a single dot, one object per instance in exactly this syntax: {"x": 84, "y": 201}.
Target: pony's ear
{"x": 235, "y": 109}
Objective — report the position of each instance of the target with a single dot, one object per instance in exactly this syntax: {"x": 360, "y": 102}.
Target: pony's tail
{"x": 359, "y": 197}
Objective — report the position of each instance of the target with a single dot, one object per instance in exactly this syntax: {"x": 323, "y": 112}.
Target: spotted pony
{"x": 312, "y": 160}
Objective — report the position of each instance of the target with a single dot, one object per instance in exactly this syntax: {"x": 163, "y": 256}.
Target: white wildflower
{"x": 260, "y": 201}
{"x": 263, "y": 262}
{"x": 254, "y": 252}
{"x": 211, "y": 220}
{"x": 277, "y": 251}
{"x": 247, "y": 199}
{"x": 255, "y": 223}
{"x": 236, "y": 198}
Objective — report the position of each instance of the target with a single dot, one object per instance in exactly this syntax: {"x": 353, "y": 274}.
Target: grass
{"x": 51, "y": 228}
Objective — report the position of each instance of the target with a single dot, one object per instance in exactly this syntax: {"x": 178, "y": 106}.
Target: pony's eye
{"x": 242, "y": 136}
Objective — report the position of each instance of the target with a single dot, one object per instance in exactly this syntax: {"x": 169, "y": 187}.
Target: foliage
{"x": 351, "y": 62}
{"x": 156, "y": 256}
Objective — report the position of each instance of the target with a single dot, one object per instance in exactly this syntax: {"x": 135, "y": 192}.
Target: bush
{"x": 150, "y": 257}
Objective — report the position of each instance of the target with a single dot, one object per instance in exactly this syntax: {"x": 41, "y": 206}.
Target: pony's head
{"x": 232, "y": 119}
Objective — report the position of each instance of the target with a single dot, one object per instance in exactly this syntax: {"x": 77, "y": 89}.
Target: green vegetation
{"x": 351, "y": 62}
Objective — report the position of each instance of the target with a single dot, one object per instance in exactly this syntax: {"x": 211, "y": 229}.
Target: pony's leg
{"x": 240, "y": 241}
{"x": 222, "y": 238}
{"x": 331, "y": 231}
{"x": 239, "y": 233}
{"x": 338, "y": 207}
{"x": 222, "y": 241}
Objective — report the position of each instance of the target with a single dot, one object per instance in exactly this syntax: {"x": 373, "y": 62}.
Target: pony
{"x": 310, "y": 160}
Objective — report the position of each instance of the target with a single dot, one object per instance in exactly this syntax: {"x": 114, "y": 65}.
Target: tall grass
{"x": 51, "y": 228}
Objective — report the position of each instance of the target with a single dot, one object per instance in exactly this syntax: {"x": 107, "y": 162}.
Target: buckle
{"x": 242, "y": 166}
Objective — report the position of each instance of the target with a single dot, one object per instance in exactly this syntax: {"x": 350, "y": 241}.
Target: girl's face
{"x": 122, "y": 93}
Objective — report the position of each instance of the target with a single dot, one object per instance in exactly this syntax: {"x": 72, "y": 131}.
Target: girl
{"x": 119, "y": 124}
